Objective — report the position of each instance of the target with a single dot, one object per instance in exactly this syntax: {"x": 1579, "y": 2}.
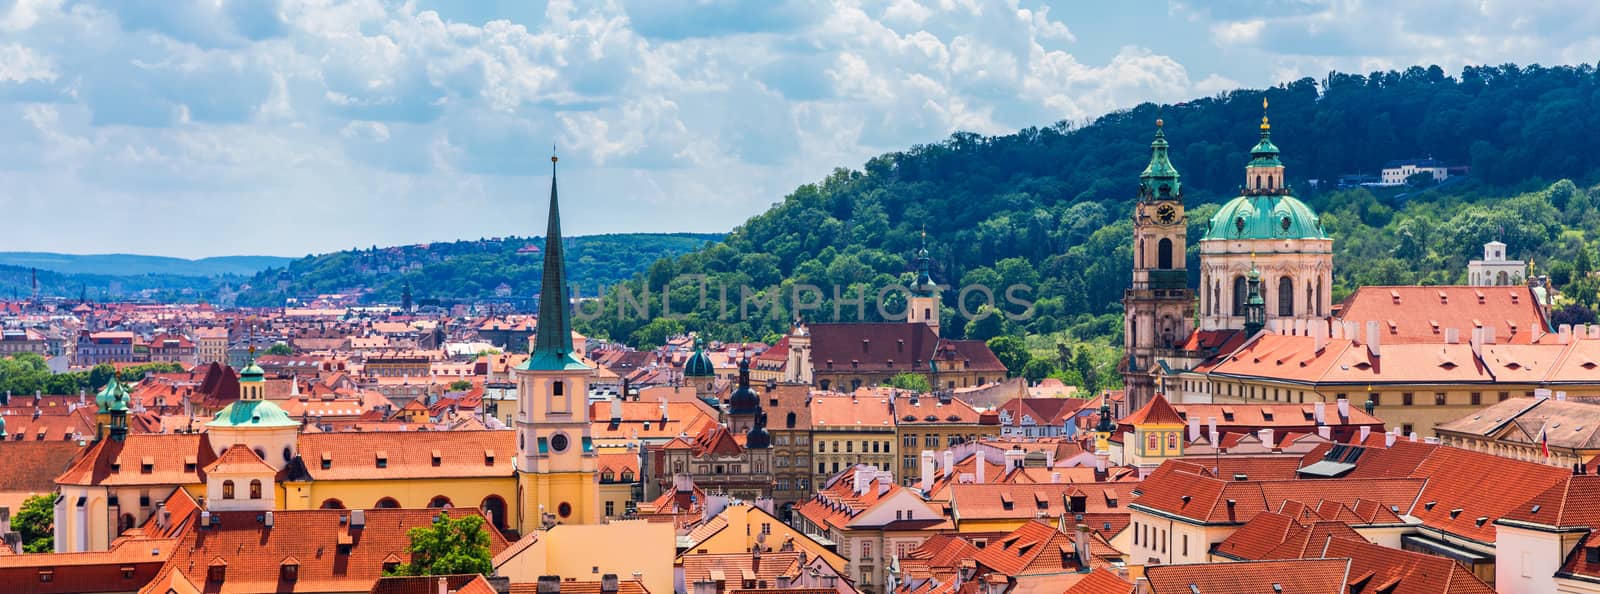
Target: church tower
{"x": 555, "y": 455}
{"x": 923, "y": 307}
{"x": 1267, "y": 232}
{"x": 1159, "y": 308}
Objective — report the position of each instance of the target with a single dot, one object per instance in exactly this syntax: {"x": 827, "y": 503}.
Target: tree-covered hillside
{"x": 467, "y": 269}
{"x": 1049, "y": 207}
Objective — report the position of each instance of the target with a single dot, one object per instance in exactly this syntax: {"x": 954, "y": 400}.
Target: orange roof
{"x": 1420, "y": 314}
{"x": 1299, "y": 576}
{"x": 142, "y": 459}
{"x": 862, "y": 411}
{"x": 1377, "y": 568}
{"x": 1101, "y": 581}
{"x": 1157, "y": 411}
{"x": 238, "y": 459}
{"x": 330, "y": 553}
{"x": 408, "y": 454}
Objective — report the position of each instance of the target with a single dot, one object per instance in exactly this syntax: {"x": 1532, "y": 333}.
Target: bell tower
{"x": 556, "y": 462}
{"x": 923, "y": 307}
{"x": 1159, "y": 310}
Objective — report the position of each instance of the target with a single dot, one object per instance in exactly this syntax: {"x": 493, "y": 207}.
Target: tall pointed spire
{"x": 924, "y": 283}
{"x": 552, "y": 343}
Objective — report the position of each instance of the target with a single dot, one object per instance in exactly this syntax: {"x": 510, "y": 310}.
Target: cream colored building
{"x": 625, "y": 548}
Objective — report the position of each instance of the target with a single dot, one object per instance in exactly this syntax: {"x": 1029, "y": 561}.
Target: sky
{"x": 197, "y": 128}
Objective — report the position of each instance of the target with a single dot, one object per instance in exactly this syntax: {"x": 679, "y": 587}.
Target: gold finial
{"x": 552, "y": 152}
{"x": 1159, "y": 122}
{"x": 1264, "y": 124}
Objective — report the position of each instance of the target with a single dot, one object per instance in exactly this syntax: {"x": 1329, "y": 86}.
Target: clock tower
{"x": 556, "y": 463}
{"x": 1159, "y": 306}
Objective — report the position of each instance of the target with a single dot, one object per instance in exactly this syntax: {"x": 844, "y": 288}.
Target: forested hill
{"x": 468, "y": 269}
{"x": 1050, "y": 206}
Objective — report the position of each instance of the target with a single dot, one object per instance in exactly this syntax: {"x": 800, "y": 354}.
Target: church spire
{"x": 924, "y": 268}
{"x": 1255, "y": 308}
{"x": 1159, "y": 181}
{"x": 552, "y": 344}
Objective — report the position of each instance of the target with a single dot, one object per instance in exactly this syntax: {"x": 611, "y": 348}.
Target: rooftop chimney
{"x": 949, "y": 462}
{"x": 1389, "y": 437}
{"x": 978, "y": 462}
{"x": 1055, "y": 477}
{"x": 1194, "y": 427}
{"x": 1452, "y": 336}
{"x": 1564, "y": 334}
{"x": 1488, "y": 335}
{"x": 1080, "y": 545}
{"x": 1541, "y": 393}
{"x": 358, "y": 518}
{"x": 1211, "y": 425}
{"x": 929, "y": 463}
{"x": 1365, "y": 431}
{"x": 1319, "y": 411}
{"x": 1325, "y": 432}
{"x": 1561, "y": 395}
{"x": 549, "y": 584}
{"x": 1344, "y": 409}
{"x": 1373, "y": 337}
{"x": 1266, "y": 437}
{"x": 1414, "y": 437}
{"x": 608, "y": 583}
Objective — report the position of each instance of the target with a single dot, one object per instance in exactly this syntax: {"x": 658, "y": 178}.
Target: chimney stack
{"x": 978, "y": 464}
{"x": 1541, "y": 393}
{"x": 1344, "y": 409}
{"x": 1266, "y": 437}
{"x": 1373, "y": 337}
{"x": 1319, "y": 411}
{"x": 1366, "y": 430}
{"x": 1194, "y": 427}
{"x": 549, "y": 584}
{"x": 1050, "y": 458}
{"x": 608, "y": 583}
{"x": 1325, "y": 432}
{"x": 1055, "y": 477}
{"x": 928, "y": 465}
{"x": 1414, "y": 437}
{"x": 1488, "y": 335}
{"x": 1389, "y": 437}
{"x": 949, "y": 463}
{"x": 1561, "y": 395}
{"x": 1080, "y": 546}
{"x": 1211, "y": 423}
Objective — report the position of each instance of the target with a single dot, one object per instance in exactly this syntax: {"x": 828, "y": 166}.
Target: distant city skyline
{"x": 287, "y": 127}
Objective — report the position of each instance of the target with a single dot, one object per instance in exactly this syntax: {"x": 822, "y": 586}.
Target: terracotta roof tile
{"x": 1299, "y": 576}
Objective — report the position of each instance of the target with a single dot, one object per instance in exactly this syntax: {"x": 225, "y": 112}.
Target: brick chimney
{"x": 549, "y": 584}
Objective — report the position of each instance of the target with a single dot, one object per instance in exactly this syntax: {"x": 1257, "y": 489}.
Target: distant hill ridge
{"x": 136, "y": 265}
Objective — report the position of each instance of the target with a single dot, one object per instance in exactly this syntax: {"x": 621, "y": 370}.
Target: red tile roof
{"x": 1157, "y": 411}
{"x": 1377, "y": 568}
{"x": 1299, "y": 576}
{"x": 312, "y": 539}
{"x": 1421, "y": 313}
{"x": 1101, "y": 581}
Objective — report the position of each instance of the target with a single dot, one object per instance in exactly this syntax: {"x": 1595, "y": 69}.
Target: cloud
{"x": 385, "y": 121}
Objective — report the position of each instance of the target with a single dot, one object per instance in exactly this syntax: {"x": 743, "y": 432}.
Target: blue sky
{"x": 286, "y": 127}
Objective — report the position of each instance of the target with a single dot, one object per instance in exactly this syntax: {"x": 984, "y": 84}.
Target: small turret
{"x": 1255, "y": 308}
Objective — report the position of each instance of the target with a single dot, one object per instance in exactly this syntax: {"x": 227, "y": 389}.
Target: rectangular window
{"x": 1477, "y": 398}
{"x": 866, "y": 549}
{"x": 1504, "y": 396}
{"x": 1405, "y": 429}
{"x": 1376, "y": 398}
{"x": 849, "y": 446}
{"x": 1405, "y": 399}
{"x": 1186, "y": 545}
{"x": 611, "y": 508}
{"x": 1135, "y": 533}
{"x": 1438, "y": 399}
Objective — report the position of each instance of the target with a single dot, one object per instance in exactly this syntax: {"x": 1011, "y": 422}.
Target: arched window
{"x": 1164, "y": 254}
{"x": 255, "y": 488}
{"x": 495, "y": 508}
{"x": 439, "y": 501}
{"x": 1140, "y": 252}
{"x": 332, "y": 504}
{"x": 1285, "y": 296}
{"x": 227, "y": 489}
{"x": 1239, "y": 295}
{"x": 1258, "y": 182}
{"x": 1216, "y": 297}
{"x": 387, "y": 503}
{"x": 927, "y": 314}
{"x": 1311, "y": 304}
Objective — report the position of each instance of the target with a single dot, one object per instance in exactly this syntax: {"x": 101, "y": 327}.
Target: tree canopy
{"x": 450, "y": 546}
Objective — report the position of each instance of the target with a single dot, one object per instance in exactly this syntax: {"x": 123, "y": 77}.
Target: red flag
{"x": 1544, "y": 441}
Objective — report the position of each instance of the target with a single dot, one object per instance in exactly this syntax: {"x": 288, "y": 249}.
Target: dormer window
{"x": 436, "y": 459}
{"x": 327, "y": 460}
{"x": 383, "y": 459}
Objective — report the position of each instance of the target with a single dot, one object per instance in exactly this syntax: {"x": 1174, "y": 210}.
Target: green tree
{"x": 36, "y": 523}
{"x": 101, "y": 375}
{"x": 281, "y": 348}
{"x": 1038, "y": 368}
{"x": 1011, "y": 351}
{"x": 914, "y": 382}
{"x": 1084, "y": 365}
{"x": 460, "y": 386}
{"x": 986, "y": 323}
{"x": 656, "y": 333}
{"x": 448, "y": 547}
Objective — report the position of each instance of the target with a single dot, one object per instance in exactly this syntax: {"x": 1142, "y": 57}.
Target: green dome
{"x": 1159, "y": 180}
{"x": 252, "y": 413}
{"x": 113, "y": 398}
{"x": 1265, "y": 217}
{"x": 699, "y": 363}
{"x": 252, "y": 373}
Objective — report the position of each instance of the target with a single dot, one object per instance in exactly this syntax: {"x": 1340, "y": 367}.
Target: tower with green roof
{"x": 111, "y": 411}
{"x": 1267, "y": 230}
{"x": 923, "y": 306}
{"x": 254, "y": 421}
{"x": 701, "y": 374}
{"x": 1159, "y": 305}
{"x": 556, "y": 464}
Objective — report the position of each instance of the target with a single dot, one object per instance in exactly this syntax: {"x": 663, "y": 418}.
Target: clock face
{"x": 1166, "y": 214}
